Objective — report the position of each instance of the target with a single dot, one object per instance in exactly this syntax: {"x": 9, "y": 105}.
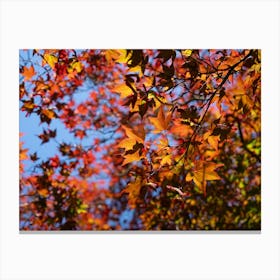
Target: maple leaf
{"x": 28, "y": 73}
{"x": 47, "y": 115}
{"x": 75, "y": 66}
{"x": 127, "y": 144}
{"x": 133, "y": 189}
{"x": 134, "y": 136}
{"x": 128, "y": 158}
{"x": 187, "y": 53}
{"x": 166, "y": 160}
{"x": 123, "y": 90}
{"x": 161, "y": 122}
{"x": 212, "y": 140}
{"x": 202, "y": 173}
{"x": 119, "y": 56}
{"x": 51, "y": 59}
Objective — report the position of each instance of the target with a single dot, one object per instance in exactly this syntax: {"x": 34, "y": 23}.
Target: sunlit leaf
{"x": 75, "y": 66}
{"x": 137, "y": 133}
{"x": 166, "y": 160}
{"x": 28, "y": 73}
{"x": 123, "y": 90}
{"x": 51, "y": 59}
{"x": 202, "y": 173}
{"x": 161, "y": 122}
{"x": 187, "y": 53}
{"x": 127, "y": 143}
{"x": 133, "y": 189}
{"x": 50, "y": 114}
{"x": 128, "y": 158}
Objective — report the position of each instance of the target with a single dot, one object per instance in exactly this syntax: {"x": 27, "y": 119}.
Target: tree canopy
{"x": 159, "y": 139}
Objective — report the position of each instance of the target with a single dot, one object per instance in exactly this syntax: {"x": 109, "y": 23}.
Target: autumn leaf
{"x": 166, "y": 160}
{"x": 28, "y": 73}
{"x": 142, "y": 129}
{"x": 212, "y": 140}
{"x": 123, "y": 90}
{"x": 137, "y": 133}
{"x": 28, "y": 105}
{"x": 82, "y": 109}
{"x": 50, "y": 114}
{"x": 128, "y": 158}
{"x": 23, "y": 152}
{"x": 119, "y": 56}
{"x": 187, "y": 53}
{"x": 133, "y": 189}
{"x": 75, "y": 66}
{"x": 161, "y": 122}
{"x": 43, "y": 192}
{"x": 202, "y": 173}
{"x": 50, "y": 59}
{"x": 127, "y": 143}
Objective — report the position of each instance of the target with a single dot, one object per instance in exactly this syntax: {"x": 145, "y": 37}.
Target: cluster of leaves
{"x": 163, "y": 139}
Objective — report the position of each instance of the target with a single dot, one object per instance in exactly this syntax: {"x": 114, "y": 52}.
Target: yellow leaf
{"x": 202, "y": 173}
{"x": 161, "y": 122}
{"x": 163, "y": 143}
{"x": 214, "y": 141}
{"x": 166, "y": 160}
{"x": 78, "y": 66}
{"x": 148, "y": 82}
{"x": 50, "y": 59}
{"x": 127, "y": 144}
{"x": 136, "y": 69}
{"x": 132, "y": 157}
{"x": 122, "y": 56}
{"x": 82, "y": 209}
{"x": 123, "y": 90}
{"x": 75, "y": 66}
{"x": 116, "y": 55}
{"x": 187, "y": 52}
{"x": 133, "y": 189}
{"x": 138, "y": 134}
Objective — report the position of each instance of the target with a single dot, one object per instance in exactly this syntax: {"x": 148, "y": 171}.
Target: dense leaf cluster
{"x": 159, "y": 139}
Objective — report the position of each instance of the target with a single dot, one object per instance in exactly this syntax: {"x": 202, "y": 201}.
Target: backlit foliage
{"x": 159, "y": 139}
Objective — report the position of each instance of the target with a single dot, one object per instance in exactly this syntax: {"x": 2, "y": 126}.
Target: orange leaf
{"x": 82, "y": 109}
{"x": 166, "y": 160}
{"x": 132, "y": 157}
{"x": 214, "y": 141}
{"x": 133, "y": 190}
{"x": 137, "y": 134}
{"x": 43, "y": 192}
{"x": 202, "y": 173}
{"x": 127, "y": 144}
{"x": 28, "y": 73}
{"x": 48, "y": 113}
{"x": 123, "y": 90}
{"x": 116, "y": 55}
{"x": 161, "y": 122}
